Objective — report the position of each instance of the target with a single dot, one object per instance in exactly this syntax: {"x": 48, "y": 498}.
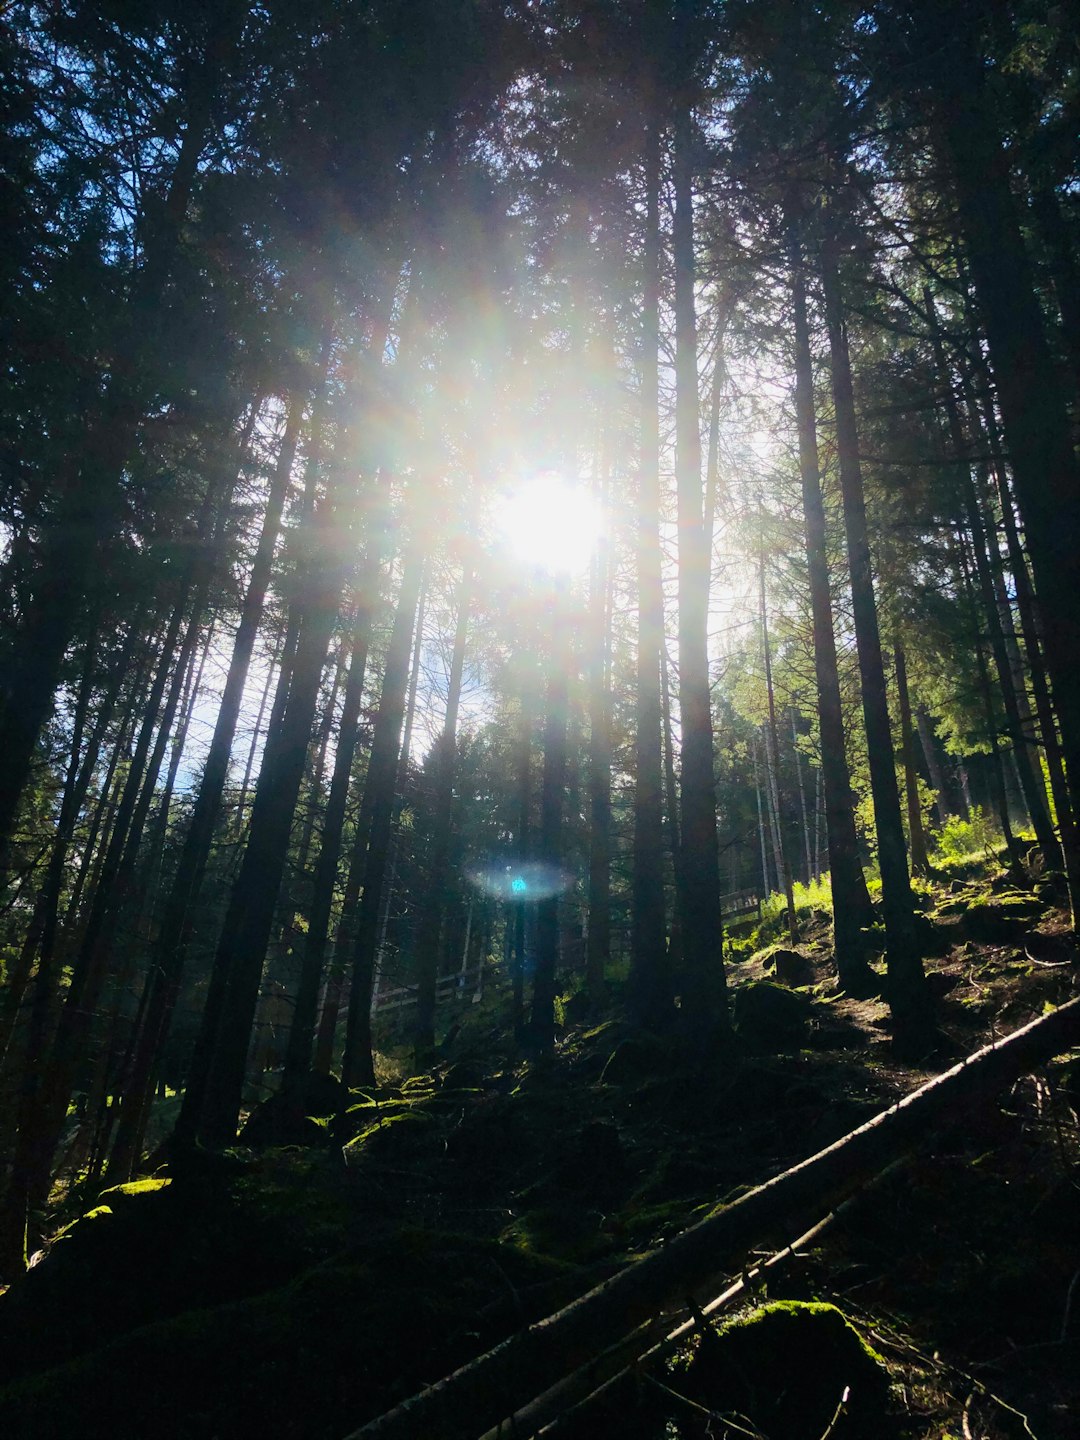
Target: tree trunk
{"x": 598, "y": 939}
{"x": 357, "y": 1065}
{"x": 1033, "y": 791}
{"x": 920, "y": 860}
{"x": 552, "y": 787}
{"x": 1032, "y": 396}
{"x": 444, "y": 767}
{"x": 772, "y": 761}
{"x": 851, "y": 900}
{"x": 906, "y": 990}
{"x": 704, "y": 997}
{"x": 248, "y": 921}
{"x": 650, "y": 982}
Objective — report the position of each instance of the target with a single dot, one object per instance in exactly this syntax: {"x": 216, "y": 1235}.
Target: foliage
{"x": 960, "y": 839}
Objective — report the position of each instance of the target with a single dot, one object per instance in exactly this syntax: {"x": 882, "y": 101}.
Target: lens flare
{"x": 520, "y": 884}
{"x": 549, "y": 523}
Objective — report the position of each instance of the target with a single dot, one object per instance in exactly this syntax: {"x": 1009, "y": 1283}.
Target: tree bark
{"x": 704, "y": 990}
{"x": 851, "y": 900}
{"x": 650, "y": 983}
{"x": 906, "y": 992}
{"x": 444, "y": 767}
{"x": 1032, "y": 396}
{"x": 920, "y": 859}
{"x": 357, "y": 1065}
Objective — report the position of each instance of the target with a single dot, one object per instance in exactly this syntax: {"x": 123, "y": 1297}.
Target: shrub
{"x": 960, "y": 838}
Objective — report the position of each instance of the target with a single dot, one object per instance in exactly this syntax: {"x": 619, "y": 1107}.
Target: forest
{"x": 539, "y": 699}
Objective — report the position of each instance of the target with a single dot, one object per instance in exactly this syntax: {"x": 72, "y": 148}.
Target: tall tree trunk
{"x": 552, "y": 787}
{"x": 933, "y": 764}
{"x": 1029, "y": 628}
{"x": 1032, "y": 396}
{"x": 772, "y": 761}
{"x": 802, "y": 799}
{"x": 178, "y": 912}
{"x": 704, "y": 997}
{"x": 650, "y": 983}
{"x": 357, "y": 1064}
{"x": 45, "y": 1100}
{"x": 523, "y": 848}
{"x": 248, "y": 921}
{"x": 920, "y": 860}
{"x": 907, "y": 994}
{"x": 986, "y": 694}
{"x": 598, "y": 939}
{"x": 444, "y": 766}
{"x": 766, "y": 887}
{"x": 1033, "y": 791}
{"x": 850, "y": 897}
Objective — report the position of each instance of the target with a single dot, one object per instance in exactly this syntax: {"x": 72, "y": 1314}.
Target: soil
{"x": 300, "y": 1289}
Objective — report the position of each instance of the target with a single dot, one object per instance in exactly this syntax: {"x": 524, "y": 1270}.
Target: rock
{"x": 1000, "y": 919}
{"x": 594, "y": 1157}
{"x": 632, "y": 1059}
{"x": 463, "y": 1076}
{"x": 786, "y": 1367}
{"x": 770, "y": 1016}
{"x": 790, "y": 967}
{"x": 578, "y": 1008}
{"x": 288, "y": 1120}
{"x": 939, "y": 984}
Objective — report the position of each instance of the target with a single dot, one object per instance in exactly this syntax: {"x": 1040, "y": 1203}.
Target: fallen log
{"x": 493, "y": 1386}
{"x": 550, "y": 1412}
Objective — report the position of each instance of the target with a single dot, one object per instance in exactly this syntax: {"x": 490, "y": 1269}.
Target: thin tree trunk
{"x": 1032, "y": 789}
{"x": 920, "y": 859}
{"x": 552, "y": 787}
{"x": 802, "y": 798}
{"x": 598, "y": 939}
{"x": 249, "y": 918}
{"x": 851, "y": 900}
{"x": 704, "y": 996}
{"x": 444, "y": 767}
{"x": 907, "y": 995}
{"x": 1033, "y": 401}
{"x": 357, "y": 1064}
{"x": 933, "y": 764}
{"x": 772, "y": 763}
{"x": 766, "y": 887}
{"x": 650, "y": 982}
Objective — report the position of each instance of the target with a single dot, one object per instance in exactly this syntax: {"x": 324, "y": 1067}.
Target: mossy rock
{"x": 287, "y": 1120}
{"x": 770, "y": 1016}
{"x": 150, "y": 1249}
{"x": 789, "y": 966}
{"x": 463, "y": 1076}
{"x": 633, "y": 1059}
{"x": 786, "y": 1367}
{"x": 397, "y": 1134}
{"x": 310, "y": 1360}
{"x": 1001, "y": 918}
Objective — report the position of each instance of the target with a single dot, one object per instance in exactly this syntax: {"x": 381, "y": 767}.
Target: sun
{"x": 549, "y": 523}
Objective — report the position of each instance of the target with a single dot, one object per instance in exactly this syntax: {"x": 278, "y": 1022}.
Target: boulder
{"x": 787, "y": 1368}
{"x": 770, "y": 1016}
{"x": 790, "y": 967}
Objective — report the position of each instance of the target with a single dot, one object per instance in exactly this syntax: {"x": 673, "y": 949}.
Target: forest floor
{"x": 299, "y": 1289}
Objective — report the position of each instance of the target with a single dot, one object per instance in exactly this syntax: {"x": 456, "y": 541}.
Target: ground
{"x": 299, "y": 1289}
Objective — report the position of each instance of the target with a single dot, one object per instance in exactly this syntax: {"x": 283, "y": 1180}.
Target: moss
{"x": 786, "y": 1366}
{"x": 150, "y": 1185}
{"x": 770, "y": 1016}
